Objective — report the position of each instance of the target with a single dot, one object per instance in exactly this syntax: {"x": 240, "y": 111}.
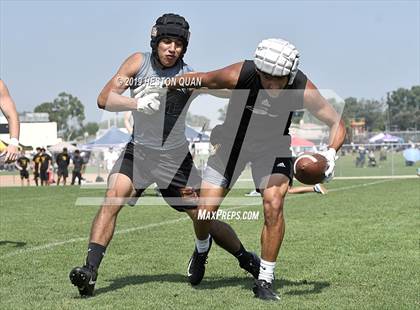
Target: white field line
{"x": 102, "y": 185}
{"x": 254, "y": 202}
{"x": 373, "y": 177}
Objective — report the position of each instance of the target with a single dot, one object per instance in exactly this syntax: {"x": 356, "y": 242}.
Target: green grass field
{"x": 355, "y": 248}
{"x": 394, "y": 165}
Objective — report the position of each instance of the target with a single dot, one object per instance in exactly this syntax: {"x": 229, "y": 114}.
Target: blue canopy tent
{"x": 385, "y": 137}
{"x": 195, "y": 136}
{"x": 112, "y": 138}
{"x": 117, "y": 138}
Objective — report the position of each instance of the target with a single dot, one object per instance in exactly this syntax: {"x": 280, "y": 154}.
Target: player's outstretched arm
{"x": 321, "y": 109}
{"x": 225, "y": 78}
{"x": 8, "y": 108}
{"x": 110, "y": 97}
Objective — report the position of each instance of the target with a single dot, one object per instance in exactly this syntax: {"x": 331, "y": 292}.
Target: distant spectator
{"x": 46, "y": 163}
{"x": 372, "y": 159}
{"x": 78, "y": 164}
{"x": 193, "y": 150}
{"x": 63, "y": 161}
{"x": 22, "y": 163}
{"x": 110, "y": 158}
{"x": 36, "y": 163}
{"x": 382, "y": 154}
{"x": 361, "y": 158}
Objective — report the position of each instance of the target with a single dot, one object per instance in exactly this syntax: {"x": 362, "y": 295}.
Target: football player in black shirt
{"x": 157, "y": 153}
{"x": 267, "y": 90}
{"x": 46, "y": 162}
{"x": 77, "y": 168}
{"x": 22, "y": 164}
{"x": 36, "y": 163}
{"x": 63, "y": 161}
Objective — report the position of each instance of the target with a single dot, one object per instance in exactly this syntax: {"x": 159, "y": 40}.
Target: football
{"x": 309, "y": 168}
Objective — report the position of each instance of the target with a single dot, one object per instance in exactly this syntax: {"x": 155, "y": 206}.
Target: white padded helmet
{"x": 277, "y": 57}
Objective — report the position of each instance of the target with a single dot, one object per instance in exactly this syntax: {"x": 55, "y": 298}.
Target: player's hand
{"x": 331, "y": 157}
{"x": 11, "y": 153}
{"x": 149, "y": 97}
{"x": 147, "y": 88}
{"x": 148, "y": 104}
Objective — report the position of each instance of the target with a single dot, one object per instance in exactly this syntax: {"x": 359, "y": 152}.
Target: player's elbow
{"x": 342, "y": 128}
{"x": 101, "y": 102}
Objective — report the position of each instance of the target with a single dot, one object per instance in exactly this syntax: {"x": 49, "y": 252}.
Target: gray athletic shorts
{"x": 224, "y": 167}
{"x": 171, "y": 170}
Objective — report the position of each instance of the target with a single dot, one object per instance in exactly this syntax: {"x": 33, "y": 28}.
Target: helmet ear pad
{"x": 294, "y": 70}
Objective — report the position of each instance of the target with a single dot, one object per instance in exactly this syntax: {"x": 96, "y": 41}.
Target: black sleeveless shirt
{"x": 262, "y": 121}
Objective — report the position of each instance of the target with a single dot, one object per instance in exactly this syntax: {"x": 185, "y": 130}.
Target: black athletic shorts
{"x": 24, "y": 174}
{"x": 171, "y": 170}
{"x": 225, "y": 166}
{"x": 43, "y": 174}
{"x": 63, "y": 172}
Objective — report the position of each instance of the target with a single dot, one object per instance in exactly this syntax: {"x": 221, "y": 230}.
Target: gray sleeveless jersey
{"x": 165, "y": 129}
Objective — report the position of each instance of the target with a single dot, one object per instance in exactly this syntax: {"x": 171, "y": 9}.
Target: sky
{"x": 362, "y": 49}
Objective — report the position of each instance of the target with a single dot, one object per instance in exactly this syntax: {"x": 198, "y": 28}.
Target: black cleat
{"x": 252, "y": 264}
{"x": 84, "y": 278}
{"x": 264, "y": 290}
{"x": 197, "y": 265}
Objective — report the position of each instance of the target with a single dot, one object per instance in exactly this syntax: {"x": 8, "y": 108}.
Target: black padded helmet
{"x": 170, "y": 25}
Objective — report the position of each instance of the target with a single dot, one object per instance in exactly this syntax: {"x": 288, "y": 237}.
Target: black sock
{"x": 95, "y": 254}
{"x": 241, "y": 255}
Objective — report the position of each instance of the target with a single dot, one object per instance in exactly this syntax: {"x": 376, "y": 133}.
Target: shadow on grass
{"x": 17, "y": 244}
{"x": 210, "y": 283}
{"x": 316, "y": 286}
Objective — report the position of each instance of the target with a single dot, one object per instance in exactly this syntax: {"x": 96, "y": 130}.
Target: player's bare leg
{"x": 224, "y": 236}
{"x": 272, "y": 234}
{"x": 274, "y": 223}
{"x": 103, "y": 226}
{"x": 211, "y": 196}
{"x": 104, "y": 222}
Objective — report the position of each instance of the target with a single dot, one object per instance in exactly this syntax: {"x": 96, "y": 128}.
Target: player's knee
{"x": 274, "y": 202}
{"x": 112, "y": 199}
{"x": 111, "y": 193}
{"x": 273, "y": 209}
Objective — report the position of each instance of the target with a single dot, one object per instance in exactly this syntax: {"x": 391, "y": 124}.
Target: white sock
{"x": 202, "y": 245}
{"x": 267, "y": 271}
